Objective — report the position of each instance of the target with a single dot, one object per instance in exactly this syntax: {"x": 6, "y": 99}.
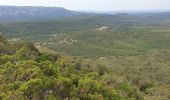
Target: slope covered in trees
{"x": 26, "y": 73}
{"x": 126, "y": 55}
{"x": 123, "y": 34}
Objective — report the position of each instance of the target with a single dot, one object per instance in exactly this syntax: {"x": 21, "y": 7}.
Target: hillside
{"x": 122, "y": 56}
{"x": 27, "y": 13}
{"x": 96, "y": 35}
{"x": 29, "y": 74}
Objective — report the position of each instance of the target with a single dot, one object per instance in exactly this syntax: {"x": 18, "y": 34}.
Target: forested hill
{"x": 118, "y": 57}
{"x": 25, "y": 13}
{"x": 27, "y": 74}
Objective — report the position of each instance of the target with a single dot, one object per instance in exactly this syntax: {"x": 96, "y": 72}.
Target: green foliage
{"x": 125, "y": 35}
{"x": 91, "y": 90}
{"x": 27, "y": 74}
{"x": 42, "y": 58}
{"x": 133, "y": 51}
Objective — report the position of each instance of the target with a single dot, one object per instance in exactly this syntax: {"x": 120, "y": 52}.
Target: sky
{"x": 96, "y": 5}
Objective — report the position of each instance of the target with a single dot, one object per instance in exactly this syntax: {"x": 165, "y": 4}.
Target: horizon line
{"x": 129, "y": 10}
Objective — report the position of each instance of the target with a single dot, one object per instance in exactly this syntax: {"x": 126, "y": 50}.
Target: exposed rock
{"x": 2, "y": 41}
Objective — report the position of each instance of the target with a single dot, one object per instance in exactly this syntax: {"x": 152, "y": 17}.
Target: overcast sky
{"x": 99, "y": 5}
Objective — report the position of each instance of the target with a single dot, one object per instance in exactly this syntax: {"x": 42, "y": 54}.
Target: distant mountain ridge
{"x": 20, "y": 13}
{"x": 39, "y": 13}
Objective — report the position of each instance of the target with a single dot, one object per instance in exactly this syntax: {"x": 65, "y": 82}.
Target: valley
{"x": 128, "y": 53}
